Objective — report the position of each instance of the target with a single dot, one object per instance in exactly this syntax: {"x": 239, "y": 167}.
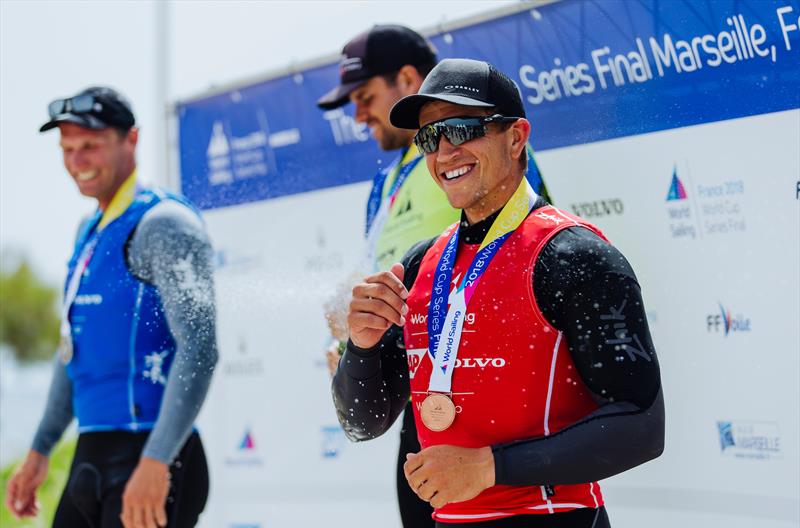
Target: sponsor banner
{"x": 727, "y": 323}
{"x": 667, "y": 67}
{"x": 599, "y": 208}
{"x": 752, "y": 440}
{"x": 707, "y": 209}
{"x": 242, "y": 363}
{"x": 333, "y": 441}
{"x": 245, "y": 452}
{"x": 695, "y": 180}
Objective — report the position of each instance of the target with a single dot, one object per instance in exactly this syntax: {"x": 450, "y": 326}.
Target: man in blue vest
{"x": 138, "y": 339}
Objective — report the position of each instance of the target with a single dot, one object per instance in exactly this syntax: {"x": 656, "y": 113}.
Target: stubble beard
{"x": 393, "y": 139}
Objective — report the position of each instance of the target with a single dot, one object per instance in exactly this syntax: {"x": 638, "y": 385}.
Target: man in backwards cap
{"x": 138, "y": 339}
{"x": 536, "y": 374}
{"x": 378, "y": 68}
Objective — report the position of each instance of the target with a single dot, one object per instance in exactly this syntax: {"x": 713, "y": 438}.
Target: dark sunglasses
{"x": 80, "y": 104}
{"x": 457, "y": 130}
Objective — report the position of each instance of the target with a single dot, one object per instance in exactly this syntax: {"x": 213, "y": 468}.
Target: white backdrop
{"x": 704, "y": 203}
{"x": 280, "y": 259}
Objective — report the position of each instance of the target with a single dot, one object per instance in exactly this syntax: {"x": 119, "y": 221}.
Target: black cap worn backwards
{"x": 463, "y": 82}
{"x": 382, "y": 49}
{"x": 96, "y": 107}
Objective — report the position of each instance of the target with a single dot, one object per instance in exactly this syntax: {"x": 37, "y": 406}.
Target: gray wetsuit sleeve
{"x": 57, "y": 412}
{"x": 58, "y": 409}
{"x": 171, "y": 250}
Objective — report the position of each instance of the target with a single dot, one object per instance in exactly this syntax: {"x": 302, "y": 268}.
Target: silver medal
{"x": 65, "y": 349}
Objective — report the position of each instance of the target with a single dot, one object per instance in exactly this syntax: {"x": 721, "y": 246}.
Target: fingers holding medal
{"x": 377, "y": 303}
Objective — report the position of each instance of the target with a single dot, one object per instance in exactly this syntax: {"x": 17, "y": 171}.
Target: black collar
{"x": 475, "y": 233}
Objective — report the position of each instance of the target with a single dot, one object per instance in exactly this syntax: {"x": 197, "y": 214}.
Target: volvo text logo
{"x": 598, "y": 208}
{"x": 480, "y": 362}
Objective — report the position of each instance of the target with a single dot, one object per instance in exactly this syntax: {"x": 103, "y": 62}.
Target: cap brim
{"x": 84, "y": 120}
{"x": 405, "y": 113}
{"x": 339, "y": 96}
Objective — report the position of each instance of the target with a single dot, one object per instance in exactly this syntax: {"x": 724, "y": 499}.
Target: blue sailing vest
{"x": 123, "y": 347}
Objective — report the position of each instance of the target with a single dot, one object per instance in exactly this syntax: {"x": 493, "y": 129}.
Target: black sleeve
{"x": 370, "y": 387}
{"x": 588, "y": 291}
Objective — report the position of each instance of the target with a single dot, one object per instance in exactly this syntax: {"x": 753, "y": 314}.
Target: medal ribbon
{"x": 119, "y": 204}
{"x": 74, "y": 284}
{"x": 444, "y": 348}
{"x": 378, "y": 220}
{"x": 376, "y": 192}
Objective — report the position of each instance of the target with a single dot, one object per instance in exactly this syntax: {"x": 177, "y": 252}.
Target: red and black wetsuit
{"x": 598, "y": 386}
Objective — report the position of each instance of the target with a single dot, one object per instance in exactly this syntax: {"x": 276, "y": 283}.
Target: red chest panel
{"x": 514, "y": 377}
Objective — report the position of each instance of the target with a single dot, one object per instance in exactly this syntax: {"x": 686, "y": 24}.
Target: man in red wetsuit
{"x": 535, "y": 372}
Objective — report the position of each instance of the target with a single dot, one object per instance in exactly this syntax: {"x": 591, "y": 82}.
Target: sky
{"x": 51, "y": 49}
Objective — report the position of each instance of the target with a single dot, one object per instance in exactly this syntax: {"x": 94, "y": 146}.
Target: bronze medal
{"x": 65, "y": 349}
{"x": 437, "y": 411}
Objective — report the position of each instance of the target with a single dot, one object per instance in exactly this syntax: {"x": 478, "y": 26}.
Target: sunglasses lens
{"x": 55, "y": 108}
{"x": 82, "y": 103}
{"x": 461, "y": 133}
{"x": 79, "y": 105}
{"x": 457, "y": 130}
{"x": 427, "y": 139}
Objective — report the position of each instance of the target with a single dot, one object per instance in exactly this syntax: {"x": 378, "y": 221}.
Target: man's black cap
{"x": 382, "y": 49}
{"x": 96, "y": 107}
{"x": 463, "y": 82}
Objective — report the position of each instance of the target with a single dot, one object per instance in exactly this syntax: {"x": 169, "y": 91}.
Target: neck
{"x": 104, "y": 201}
{"x": 409, "y": 140}
{"x": 494, "y": 200}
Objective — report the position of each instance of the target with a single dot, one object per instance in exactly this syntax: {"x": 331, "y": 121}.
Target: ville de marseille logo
{"x": 676, "y": 188}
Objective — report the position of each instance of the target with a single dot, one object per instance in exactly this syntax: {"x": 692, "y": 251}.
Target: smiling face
{"x": 374, "y": 99}
{"x": 478, "y": 176}
{"x": 99, "y": 161}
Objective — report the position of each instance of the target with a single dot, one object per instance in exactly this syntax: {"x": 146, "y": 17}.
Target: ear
{"x": 520, "y": 132}
{"x": 408, "y": 80}
{"x": 133, "y": 137}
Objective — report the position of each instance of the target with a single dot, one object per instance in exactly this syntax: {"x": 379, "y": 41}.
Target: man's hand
{"x": 378, "y": 303}
{"x": 21, "y": 490}
{"x": 443, "y": 474}
{"x": 146, "y": 495}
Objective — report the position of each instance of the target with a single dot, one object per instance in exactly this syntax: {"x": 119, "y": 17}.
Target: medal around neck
{"x": 65, "y": 349}
{"x": 437, "y": 411}
{"x": 447, "y": 311}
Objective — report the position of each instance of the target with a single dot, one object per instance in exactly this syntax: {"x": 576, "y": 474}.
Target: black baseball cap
{"x": 463, "y": 82}
{"x": 382, "y": 49}
{"x": 96, "y": 107}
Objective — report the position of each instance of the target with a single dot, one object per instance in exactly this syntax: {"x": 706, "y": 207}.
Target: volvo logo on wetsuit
{"x": 480, "y": 362}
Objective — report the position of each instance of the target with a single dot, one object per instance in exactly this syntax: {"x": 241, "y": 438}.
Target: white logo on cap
{"x": 459, "y": 87}
{"x": 350, "y": 64}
